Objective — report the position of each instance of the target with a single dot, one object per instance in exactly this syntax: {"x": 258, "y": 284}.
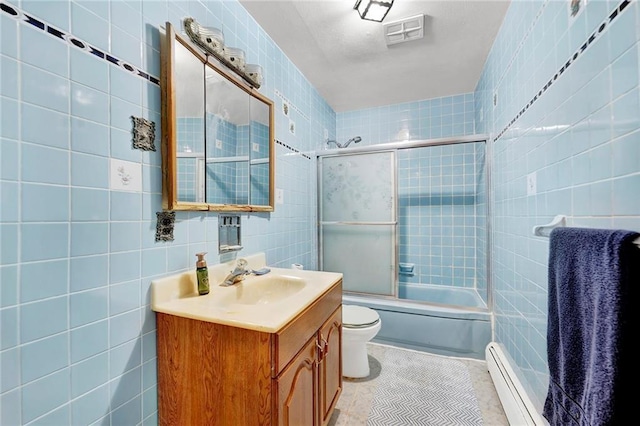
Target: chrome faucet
{"x": 237, "y": 274}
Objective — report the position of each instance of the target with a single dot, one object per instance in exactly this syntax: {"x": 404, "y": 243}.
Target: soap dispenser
{"x": 202, "y": 273}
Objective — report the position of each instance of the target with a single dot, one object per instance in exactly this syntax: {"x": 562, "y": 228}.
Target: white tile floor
{"x": 354, "y": 403}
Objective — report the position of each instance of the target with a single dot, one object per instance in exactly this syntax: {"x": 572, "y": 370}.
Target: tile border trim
{"x": 290, "y": 148}
{"x": 17, "y": 14}
{"x": 601, "y": 28}
{"x": 291, "y": 104}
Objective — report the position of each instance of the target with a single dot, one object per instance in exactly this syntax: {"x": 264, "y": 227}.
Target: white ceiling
{"x": 347, "y": 60}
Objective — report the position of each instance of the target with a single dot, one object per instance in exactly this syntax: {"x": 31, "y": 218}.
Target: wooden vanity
{"x": 219, "y": 374}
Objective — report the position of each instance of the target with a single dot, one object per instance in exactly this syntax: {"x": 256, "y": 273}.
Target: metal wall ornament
{"x": 164, "y": 226}
{"x": 144, "y": 134}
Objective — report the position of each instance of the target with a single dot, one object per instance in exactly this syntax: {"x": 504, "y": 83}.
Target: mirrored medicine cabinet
{"x": 218, "y": 134}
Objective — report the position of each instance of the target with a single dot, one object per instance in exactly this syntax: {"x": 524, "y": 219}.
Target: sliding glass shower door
{"x": 408, "y": 221}
{"x": 358, "y": 221}
{"x": 442, "y": 215}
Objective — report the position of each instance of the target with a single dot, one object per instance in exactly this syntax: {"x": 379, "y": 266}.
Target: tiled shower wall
{"x": 77, "y": 335}
{"x": 561, "y": 97}
{"x": 427, "y": 119}
{"x": 439, "y": 200}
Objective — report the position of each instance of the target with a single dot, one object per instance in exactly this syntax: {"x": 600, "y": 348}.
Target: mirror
{"x": 218, "y": 134}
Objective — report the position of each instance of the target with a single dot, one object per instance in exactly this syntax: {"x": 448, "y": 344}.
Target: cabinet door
{"x": 297, "y": 389}
{"x": 330, "y": 366}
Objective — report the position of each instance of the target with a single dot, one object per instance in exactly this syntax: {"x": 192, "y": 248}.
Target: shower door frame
{"x": 393, "y": 223}
{"x": 394, "y": 147}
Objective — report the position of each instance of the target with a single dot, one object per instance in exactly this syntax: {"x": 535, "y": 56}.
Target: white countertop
{"x": 178, "y": 295}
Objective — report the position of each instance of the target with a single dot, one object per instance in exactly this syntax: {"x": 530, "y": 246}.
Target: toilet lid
{"x": 358, "y": 316}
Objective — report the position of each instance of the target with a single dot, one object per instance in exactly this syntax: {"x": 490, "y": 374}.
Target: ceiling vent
{"x": 403, "y": 30}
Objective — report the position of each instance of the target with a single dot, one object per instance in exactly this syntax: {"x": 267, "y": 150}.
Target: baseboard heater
{"x": 516, "y": 403}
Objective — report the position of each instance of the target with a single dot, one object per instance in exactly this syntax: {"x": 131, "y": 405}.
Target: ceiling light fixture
{"x": 373, "y": 10}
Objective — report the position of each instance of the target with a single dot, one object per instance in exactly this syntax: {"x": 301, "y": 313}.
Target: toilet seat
{"x": 358, "y": 316}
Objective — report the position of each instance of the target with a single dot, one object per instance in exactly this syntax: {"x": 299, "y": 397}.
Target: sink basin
{"x": 263, "y": 303}
{"x": 263, "y": 290}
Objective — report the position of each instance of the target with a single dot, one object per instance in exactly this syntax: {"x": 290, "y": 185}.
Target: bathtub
{"x": 440, "y": 294}
{"x": 436, "y": 329}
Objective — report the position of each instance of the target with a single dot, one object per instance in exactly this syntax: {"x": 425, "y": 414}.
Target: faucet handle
{"x": 242, "y": 263}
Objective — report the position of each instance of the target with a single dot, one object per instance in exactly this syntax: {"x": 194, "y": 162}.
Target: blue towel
{"x": 594, "y": 275}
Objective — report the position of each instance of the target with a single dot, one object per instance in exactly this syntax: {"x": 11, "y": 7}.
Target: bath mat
{"x": 420, "y": 389}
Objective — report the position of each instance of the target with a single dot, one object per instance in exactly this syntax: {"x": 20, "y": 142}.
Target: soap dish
{"x": 406, "y": 268}
{"x": 261, "y": 271}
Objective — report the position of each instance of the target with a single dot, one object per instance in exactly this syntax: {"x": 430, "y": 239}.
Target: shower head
{"x": 354, "y": 140}
{"x": 346, "y": 144}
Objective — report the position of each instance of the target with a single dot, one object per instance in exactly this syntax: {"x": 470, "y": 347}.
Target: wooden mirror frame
{"x": 169, "y": 127}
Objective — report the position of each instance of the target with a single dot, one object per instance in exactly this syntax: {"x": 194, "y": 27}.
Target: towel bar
{"x": 559, "y": 221}
{"x": 545, "y": 230}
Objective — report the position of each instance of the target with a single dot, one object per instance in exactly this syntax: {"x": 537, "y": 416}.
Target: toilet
{"x": 359, "y": 325}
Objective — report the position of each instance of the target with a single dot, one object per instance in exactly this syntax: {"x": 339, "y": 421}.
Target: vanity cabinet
{"x": 330, "y": 367}
{"x": 214, "y": 374}
{"x": 312, "y": 378}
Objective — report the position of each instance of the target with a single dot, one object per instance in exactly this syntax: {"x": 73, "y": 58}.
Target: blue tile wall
{"x": 42, "y": 88}
{"x": 190, "y": 133}
{"x": 426, "y": 119}
{"x": 259, "y": 165}
{"x": 568, "y": 114}
{"x": 440, "y": 200}
{"x": 52, "y": 129}
{"x": 46, "y": 52}
{"x": 89, "y": 137}
{"x": 241, "y": 181}
{"x": 77, "y": 333}
{"x": 222, "y": 178}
